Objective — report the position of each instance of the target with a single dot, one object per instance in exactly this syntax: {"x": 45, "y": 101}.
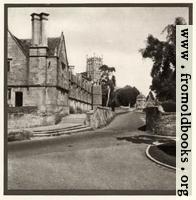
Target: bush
{"x": 165, "y": 153}
{"x": 169, "y": 148}
{"x": 169, "y": 106}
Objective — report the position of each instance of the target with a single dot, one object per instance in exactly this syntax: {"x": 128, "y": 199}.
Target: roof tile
{"x": 53, "y": 44}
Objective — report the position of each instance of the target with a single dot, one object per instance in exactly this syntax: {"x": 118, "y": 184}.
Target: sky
{"x": 117, "y": 34}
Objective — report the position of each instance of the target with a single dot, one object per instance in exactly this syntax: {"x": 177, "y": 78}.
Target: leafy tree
{"x": 108, "y": 83}
{"x": 126, "y": 96}
{"x": 163, "y": 55}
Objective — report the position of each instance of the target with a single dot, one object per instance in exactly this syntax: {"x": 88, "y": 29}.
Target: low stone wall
{"x": 26, "y": 117}
{"x": 99, "y": 117}
{"x": 161, "y": 123}
{"x": 23, "y": 109}
{"x": 20, "y": 121}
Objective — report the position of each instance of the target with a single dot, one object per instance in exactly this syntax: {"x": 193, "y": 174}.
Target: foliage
{"x": 163, "y": 55}
{"x": 108, "y": 83}
{"x": 126, "y": 96}
{"x": 169, "y": 106}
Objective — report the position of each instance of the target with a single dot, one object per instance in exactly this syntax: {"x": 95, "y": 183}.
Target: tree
{"x": 126, "y": 96}
{"x": 163, "y": 55}
{"x": 108, "y": 83}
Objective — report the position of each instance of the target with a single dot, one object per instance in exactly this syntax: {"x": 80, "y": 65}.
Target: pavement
{"x": 66, "y": 122}
{"x": 93, "y": 160}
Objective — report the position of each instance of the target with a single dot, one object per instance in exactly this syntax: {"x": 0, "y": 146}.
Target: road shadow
{"x": 145, "y": 139}
{"x": 142, "y": 128}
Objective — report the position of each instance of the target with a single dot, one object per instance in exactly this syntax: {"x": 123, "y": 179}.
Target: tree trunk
{"x": 108, "y": 97}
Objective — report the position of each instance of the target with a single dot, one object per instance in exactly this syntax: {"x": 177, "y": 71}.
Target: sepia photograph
{"x": 90, "y": 104}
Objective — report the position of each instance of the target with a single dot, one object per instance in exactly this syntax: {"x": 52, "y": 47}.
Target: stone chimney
{"x": 38, "y": 50}
{"x": 43, "y": 19}
{"x": 35, "y": 19}
{"x": 39, "y": 37}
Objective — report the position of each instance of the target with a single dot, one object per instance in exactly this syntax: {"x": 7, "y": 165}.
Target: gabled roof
{"x": 150, "y": 96}
{"x": 53, "y": 44}
{"x": 19, "y": 43}
{"x": 25, "y": 44}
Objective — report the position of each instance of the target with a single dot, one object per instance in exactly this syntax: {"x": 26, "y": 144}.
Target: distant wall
{"x": 161, "y": 123}
{"x": 82, "y": 94}
{"x": 99, "y": 117}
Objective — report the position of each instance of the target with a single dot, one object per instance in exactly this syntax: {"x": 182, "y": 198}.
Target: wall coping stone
{"x": 90, "y": 112}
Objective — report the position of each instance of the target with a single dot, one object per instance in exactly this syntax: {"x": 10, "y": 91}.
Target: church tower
{"x": 92, "y": 67}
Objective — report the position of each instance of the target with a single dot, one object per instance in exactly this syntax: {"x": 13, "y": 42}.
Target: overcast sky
{"x": 115, "y": 33}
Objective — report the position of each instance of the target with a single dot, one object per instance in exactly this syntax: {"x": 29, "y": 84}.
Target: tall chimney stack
{"x": 43, "y": 20}
{"x": 39, "y": 37}
{"x": 35, "y": 29}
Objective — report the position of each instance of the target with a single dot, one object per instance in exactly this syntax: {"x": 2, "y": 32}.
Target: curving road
{"x": 95, "y": 160}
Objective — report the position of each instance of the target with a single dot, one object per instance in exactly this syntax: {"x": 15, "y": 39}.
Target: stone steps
{"x": 61, "y": 131}
{"x": 72, "y": 123}
{"x": 74, "y": 119}
{"x": 56, "y": 129}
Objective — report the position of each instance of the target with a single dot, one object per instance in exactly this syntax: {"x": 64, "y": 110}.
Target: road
{"x": 95, "y": 160}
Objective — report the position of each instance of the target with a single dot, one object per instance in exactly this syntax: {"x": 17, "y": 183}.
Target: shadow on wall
{"x": 99, "y": 117}
{"x": 160, "y": 122}
{"x": 31, "y": 116}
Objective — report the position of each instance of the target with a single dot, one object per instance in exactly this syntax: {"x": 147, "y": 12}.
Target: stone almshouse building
{"x": 41, "y": 85}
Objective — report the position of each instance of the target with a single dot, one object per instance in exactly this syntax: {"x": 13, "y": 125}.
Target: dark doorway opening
{"x": 18, "y": 99}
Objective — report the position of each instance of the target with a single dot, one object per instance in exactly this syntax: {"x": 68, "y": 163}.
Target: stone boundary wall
{"x": 22, "y": 120}
{"x": 99, "y": 117}
{"x": 23, "y": 109}
{"x": 161, "y": 123}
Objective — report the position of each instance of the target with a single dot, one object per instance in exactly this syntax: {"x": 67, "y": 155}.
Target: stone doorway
{"x": 18, "y": 99}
